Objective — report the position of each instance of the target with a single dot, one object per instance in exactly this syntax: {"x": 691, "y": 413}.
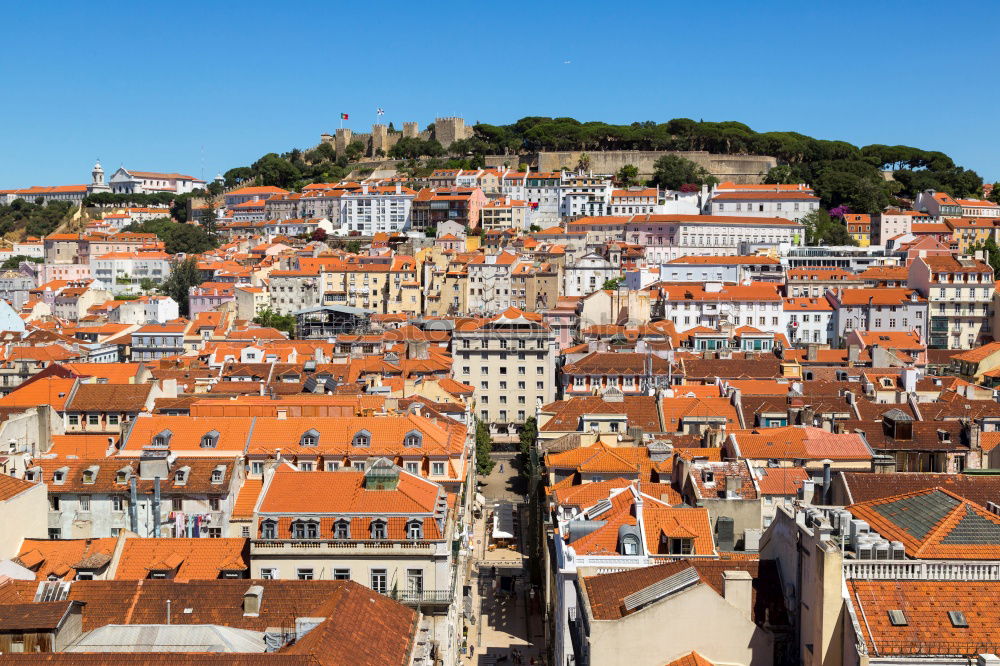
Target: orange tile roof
{"x": 192, "y": 559}
{"x": 343, "y": 492}
{"x": 691, "y": 659}
{"x": 11, "y": 487}
{"x": 781, "y": 480}
{"x": 53, "y": 391}
{"x": 934, "y": 523}
{"x": 799, "y": 442}
{"x": 247, "y": 499}
{"x": 60, "y": 557}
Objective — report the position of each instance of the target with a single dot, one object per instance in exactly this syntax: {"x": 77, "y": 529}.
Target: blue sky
{"x": 202, "y": 87}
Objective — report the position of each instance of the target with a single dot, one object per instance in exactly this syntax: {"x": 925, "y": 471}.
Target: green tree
{"x": 354, "y": 150}
{"x": 147, "y": 284}
{"x": 353, "y": 246}
{"x": 272, "y": 319}
{"x": 995, "y": 193}
{"x": 779, "y": 175}
{"x": 12, "y": 263}
{"x": 178, "y": 286}
{"x": 612, "y": 284}
{"x": 534, "y": 227}
{"x": 176, "y": 237}
{"x": 628, "y": 175}
{"x": 991, "y": 251}
{"x": 671, "y": 172}
{"x": 527, "y": 436}
{"x": 821, "y": 229}
{"x": 484, "y": 447}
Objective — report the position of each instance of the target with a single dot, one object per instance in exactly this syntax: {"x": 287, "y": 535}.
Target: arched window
{"x": 342, "y": 529}
{"x": 362, "y": 439}
{"x": 414, "y": 529}
{"x": 309, "y": 438}
{"x": 269, "y": 529}
{"x": 378, "y": 529}
{"x": 413, "y": 439}
{"x": 630, "y": 545}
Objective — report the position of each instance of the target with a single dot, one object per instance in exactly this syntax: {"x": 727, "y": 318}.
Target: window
{"x": 380, "y": 580}
{"x": 342, "y": 574}
{"x": 311, "y": 438}
{"x": 378, "y": 529}
{"x": 117, "y": 503}
{"x": 414, "y": 530}
{"x": 269, "y": 530}
{"x": 213, "y": 503}
{"x": 55, "y": 533}
{"x": 176, "y": 503}
{"x": 210, "y": 439}
{"x": 94, "y": 419}
{"x": 305, "y": 529}
{"x": 304, "y": 574}
{"x": 74, "y": 419}
{"x": 84, "y": 502}
{"x": 332, "y": 465}
{"x": 362, "y": 439}
{"x": 112, "y": 419}
{"x": 412, "y": 467}
{"x": 630, "y": 545}
{"x": 680, "y": 546}
{"x": 342, "y": 529}
{"x": 214, "y": 532}
{"x": 413, "y": 439}
{"x": 305, "y": 466}
{"x": 437, "y": 469}
{"x": 245, "y": 532}
{"x": 257, "y": 467}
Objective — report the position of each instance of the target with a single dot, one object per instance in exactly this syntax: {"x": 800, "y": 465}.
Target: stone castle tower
{"x": 446, "y": 131}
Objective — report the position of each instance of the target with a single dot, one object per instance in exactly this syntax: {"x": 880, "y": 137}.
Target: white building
{"x": 587, "y": 274}
{"x": 959, "y": 291}
{"x": 809, "y": 320}
{"x": 124, "y": 181}
{"x": 634, "y": 201}
{"x": 713, "y": 304}
{"x": 510, "y": 360}
{"x": 376, "y": 208}
{"x": 489, "y": 283}
{"x": 150, "y": 309}
{"x": 788, "y": 205}
{"x": 125, "y": 271}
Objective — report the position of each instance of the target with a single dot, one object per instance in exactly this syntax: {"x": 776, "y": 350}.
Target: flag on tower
{"x": 380, "y": 111}
{"x": 343, "y": 116}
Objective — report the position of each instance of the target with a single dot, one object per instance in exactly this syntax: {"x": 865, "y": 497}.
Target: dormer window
{"x": 414, "y": 530}
{"x": 90, "y": 475}
{"x": 342, "y": 530}
{"x": 309, "y": 438}
{"x": 180, "y": 478}
{"x": 630, "y": 545}
{"x": 362, "y": 439}
{"x": 269, "y": 529}
{"x": 210, "y": 439}
{"x": 378, "y": 529}
{"x": 162, "y": 439}
{"x": 413, "y": 439}
{"x": 217, "y": 475}
{"x": 121, "y": 476}
{"x": 59, "y": 476}
{"x": 305, "y": 529}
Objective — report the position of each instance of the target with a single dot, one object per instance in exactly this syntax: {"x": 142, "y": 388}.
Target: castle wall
{"x": 738, "y": 168}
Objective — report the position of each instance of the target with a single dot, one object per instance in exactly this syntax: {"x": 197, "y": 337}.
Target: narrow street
{"x": 503, "y": 623}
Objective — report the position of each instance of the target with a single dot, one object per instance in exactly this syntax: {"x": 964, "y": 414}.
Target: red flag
{"x": 343, "y": 116}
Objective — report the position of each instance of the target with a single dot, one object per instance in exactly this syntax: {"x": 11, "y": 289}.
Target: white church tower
{"x": 97, "y": 183}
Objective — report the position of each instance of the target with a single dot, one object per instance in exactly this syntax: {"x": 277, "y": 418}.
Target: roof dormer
{"x": 310, "y": 438}
{"x": 210, "y": 439}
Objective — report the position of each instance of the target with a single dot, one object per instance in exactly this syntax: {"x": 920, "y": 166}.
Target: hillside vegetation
{"x": 842, "y": 174}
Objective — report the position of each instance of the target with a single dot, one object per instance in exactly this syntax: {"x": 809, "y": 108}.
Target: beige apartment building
{"x": 510, "y": 360}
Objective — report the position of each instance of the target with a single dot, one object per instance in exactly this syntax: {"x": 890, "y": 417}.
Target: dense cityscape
{"x": 550, "y": 393}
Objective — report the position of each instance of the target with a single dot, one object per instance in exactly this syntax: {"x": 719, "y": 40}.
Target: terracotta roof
{"x": 42, "y": 616}
{"x": 607, "y": 592}
{"x": 109, "y": 398}
{"x": 247, "y": 499}
{"x": 934, "y": 524}
{"x": 801, "y": 443}
{"x": 780, "y": 480}
{"x": 59, "y": 558}
{"x": 864, "y": 486}
{"x": 11, "y": 487}
{"x": 344, "y": 492}
{"x": 691, "y": 659}
{"x": 190, "y": 559}
{"x": 615, "y": 363}
{"x": 928, "y": 630}
{"x": 566, "y": 414}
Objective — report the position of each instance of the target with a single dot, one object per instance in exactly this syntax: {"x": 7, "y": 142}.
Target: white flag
{"x": 380, "y": 111}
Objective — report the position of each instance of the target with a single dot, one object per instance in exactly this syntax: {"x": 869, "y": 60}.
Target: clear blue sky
{"x": 202, "y": 87}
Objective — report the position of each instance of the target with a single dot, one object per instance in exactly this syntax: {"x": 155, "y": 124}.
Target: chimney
{"x": 252, "y": 599}
{"x": 812, "y": 352}
{"x": 826, "y": 481}
{"x": 737, "y": 589}
{"x": 734, "y": 483}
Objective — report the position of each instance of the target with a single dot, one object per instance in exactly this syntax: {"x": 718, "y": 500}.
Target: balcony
{"x": 920, "y": 570}
{"x": 423, "y": 597}
{"x": 315, "y": 547}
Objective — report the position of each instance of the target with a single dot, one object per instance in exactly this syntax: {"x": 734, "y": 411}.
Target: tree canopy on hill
{"x": 37, "y": 219}
{"x": 842, "y": 173}
{"x": 176, "y": 237}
